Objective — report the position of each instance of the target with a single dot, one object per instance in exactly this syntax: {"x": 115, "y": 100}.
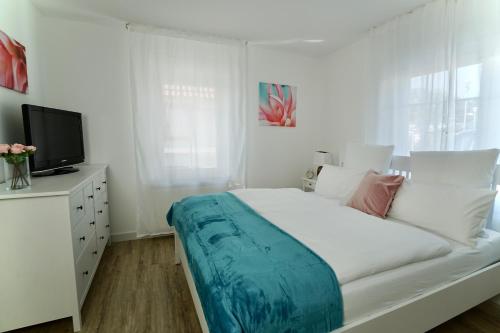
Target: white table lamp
{"x": 320, "y": 158}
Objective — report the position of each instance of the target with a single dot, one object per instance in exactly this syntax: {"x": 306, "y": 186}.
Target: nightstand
{"x": 308, "y": 185}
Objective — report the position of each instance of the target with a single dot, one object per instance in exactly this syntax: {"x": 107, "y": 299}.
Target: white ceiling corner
{"x": 279, "y": 23}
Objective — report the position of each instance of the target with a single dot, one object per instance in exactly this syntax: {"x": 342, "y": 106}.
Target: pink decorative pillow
{"x": 375, "y": 193}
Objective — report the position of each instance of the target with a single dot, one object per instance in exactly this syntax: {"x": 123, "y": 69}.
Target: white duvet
{"x": 354, "y": 244}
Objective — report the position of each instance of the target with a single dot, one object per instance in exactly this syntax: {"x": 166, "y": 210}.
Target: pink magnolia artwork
{"x": 13, "y": 68}
{"x": 277, "y": 103}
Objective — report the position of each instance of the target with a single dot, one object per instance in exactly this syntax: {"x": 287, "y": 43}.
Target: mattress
{"x": 378, "y": 292}
{"x": 371, "y": 284}
{"x": 354, "y": 244}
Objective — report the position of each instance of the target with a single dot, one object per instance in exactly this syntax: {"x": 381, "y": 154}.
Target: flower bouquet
{"x": 16, "y": 167}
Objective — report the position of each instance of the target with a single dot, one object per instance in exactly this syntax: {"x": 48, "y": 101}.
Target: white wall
{"x": 279, "y": 157}
{"x": 19, "y": 19}
{"x": 347, "y": 97}
{"x": 85, "y": 69}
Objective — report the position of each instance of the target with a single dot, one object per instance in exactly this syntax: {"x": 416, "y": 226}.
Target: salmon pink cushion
{"x": 375, "y": 193}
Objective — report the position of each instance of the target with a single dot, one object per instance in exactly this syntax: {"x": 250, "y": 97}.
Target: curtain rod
{"x": 411, "y": 11}
{"x": 182, "y": 33}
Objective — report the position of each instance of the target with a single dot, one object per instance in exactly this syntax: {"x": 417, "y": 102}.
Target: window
{"x": 189, "y": 119}
{"x": 435, "y": 75}
{"x": 191, "y": 106}
{"x": 443, "y": 117}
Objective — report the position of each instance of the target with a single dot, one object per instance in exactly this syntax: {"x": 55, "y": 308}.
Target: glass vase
{"x": 17, "y": 175}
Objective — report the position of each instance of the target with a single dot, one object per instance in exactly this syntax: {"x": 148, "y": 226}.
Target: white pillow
{"x": 338, "y": 182}
{"x": 462, "y": 168}
{"x": 365, "y": 157}
{"x": 455, "y": 212}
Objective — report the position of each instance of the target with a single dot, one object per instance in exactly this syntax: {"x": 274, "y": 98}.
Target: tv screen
{"x": 56, "y": 134}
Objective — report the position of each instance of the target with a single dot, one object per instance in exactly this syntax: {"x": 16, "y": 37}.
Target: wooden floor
{"x": 138, "y": 288}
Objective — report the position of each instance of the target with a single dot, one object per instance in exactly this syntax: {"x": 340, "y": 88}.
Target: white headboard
{"x": 400, "y": 165}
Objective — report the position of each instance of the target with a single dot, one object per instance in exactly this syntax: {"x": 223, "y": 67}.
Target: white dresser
{"x": 52, "y": 237}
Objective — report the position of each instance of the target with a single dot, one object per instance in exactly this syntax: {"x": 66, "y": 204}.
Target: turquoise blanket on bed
{"x": 250, "y": 275}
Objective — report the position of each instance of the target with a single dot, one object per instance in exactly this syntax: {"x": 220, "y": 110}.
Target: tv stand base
{"x": 56, "y": 172}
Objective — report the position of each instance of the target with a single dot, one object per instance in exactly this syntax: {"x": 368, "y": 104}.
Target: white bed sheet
{"x": 354, "y": 244}
{"x": 365, "y": 294}
{"x": 379, "y": 292}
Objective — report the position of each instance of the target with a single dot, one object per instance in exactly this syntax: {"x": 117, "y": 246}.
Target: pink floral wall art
{"x": 13, "y": 68}
{"x": 277, "y": 104}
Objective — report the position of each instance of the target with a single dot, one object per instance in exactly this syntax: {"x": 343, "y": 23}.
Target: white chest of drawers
{"x": 52, "y": 237}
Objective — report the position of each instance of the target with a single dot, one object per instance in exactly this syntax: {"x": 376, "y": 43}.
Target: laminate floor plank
{"x": 138, "y": 289}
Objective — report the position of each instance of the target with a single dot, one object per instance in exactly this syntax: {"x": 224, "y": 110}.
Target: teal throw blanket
{"x": 250, "y": 275}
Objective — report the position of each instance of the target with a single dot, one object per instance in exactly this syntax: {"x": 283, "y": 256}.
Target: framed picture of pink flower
{"x": 13, "y": 68}
{"x": 277, "y": 104}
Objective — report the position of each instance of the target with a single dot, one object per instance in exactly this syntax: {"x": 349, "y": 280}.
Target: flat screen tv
{"x": 58, "y": 137}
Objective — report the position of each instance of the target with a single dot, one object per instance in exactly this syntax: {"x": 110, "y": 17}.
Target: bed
{"x": 412, "y": 290}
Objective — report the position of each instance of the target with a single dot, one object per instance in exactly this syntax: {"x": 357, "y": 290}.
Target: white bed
{"x": 372, "y": 294}
{"x": 371, "y": 282}
{"x": 386, "y": 285}
{"x": 353, "y": 243}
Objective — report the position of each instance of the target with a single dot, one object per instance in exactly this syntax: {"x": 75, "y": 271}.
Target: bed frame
{"x": 416, "y": 315}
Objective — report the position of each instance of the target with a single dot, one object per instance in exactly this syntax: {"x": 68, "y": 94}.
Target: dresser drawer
{"x": 82, "y": 235}
{"x": 102, "y": 202}
{"x": 104, "y": 181}
{"x": 88, "y": 196}
{"x": 88, "y": 191}
{"x": 102, "y": 241}
{"x": 85, "y": 267}
{"x": 100, "y": 184}
{"x": 102, "y": 224}
{"x": 77, "y": 207}
{"x": 99, "y": 188}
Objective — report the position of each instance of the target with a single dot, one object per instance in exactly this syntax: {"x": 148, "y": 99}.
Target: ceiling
{"x": 278, "y": 23}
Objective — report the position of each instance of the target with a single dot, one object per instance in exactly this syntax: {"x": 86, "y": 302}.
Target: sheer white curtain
{"x": 436, "y": 73}
{"x": 189, "y": 119}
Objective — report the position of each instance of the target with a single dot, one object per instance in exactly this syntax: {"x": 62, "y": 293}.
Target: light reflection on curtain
{"x": 189, "y": 119}
{"x": 436, "y": 73}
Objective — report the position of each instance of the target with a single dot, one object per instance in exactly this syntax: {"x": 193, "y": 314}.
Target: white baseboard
{"x": 123, "y": 236}
{"x": 132, "y": 235}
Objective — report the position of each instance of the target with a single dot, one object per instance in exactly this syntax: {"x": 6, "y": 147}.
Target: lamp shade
{"x": 322, "y": 157}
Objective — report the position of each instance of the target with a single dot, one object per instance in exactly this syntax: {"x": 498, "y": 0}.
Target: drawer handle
{"x": 90, "y": 197}
{"x": 92, "y": 223}
{"x": 99, "y": 212}
{"x": 82, "y": 238}
{"x": 104, "y": 182}
{"x": 102, "y": 237}
{"x": 86, "y": 273}
{"x": 106, "y": 202}
{"x": 107, "y": 225}
{"x": 94, "y": 252}
{"x": 98, "y": 188}
{"x": 80, "y": 207}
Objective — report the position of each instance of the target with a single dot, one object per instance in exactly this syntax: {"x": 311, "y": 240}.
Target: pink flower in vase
{"x": 30, "y": 148}
{"x": 17, "y": 148}
{"x": 4, "y": 148}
